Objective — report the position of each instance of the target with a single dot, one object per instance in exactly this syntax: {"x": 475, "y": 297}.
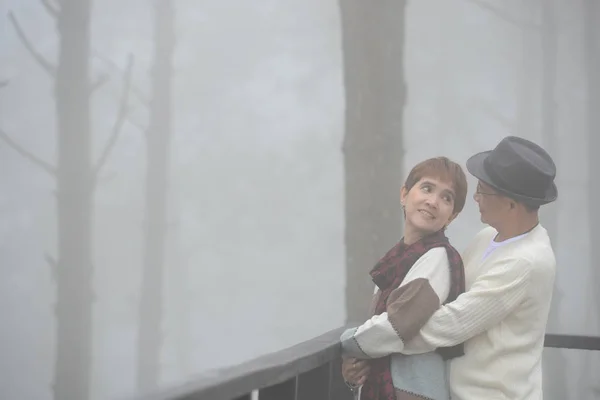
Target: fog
{"x": 189, "y": 184}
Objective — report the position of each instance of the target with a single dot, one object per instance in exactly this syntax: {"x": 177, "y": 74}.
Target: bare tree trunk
{"x": 549, "y": 104}
{"x": 527, "y": 83}
{"x": 554, "y": 360}
{"x": 373, "y": 45}
{"x": 75, "y": 183}
{"x": 158, "y": 151}
{"x": 76, "y": 178}
{"x": 591, "y": 15}
{"x": 592, "y": 71}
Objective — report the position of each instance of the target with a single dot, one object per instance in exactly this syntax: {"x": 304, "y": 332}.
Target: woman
{"x": 418, "y": 274}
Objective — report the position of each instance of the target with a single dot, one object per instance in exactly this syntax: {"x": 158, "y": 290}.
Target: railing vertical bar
{"x": 339, "y": 390}
{"x": 330, "y": 380}
{"x": 282, "y": 391}
{"x": 314, "y": 384}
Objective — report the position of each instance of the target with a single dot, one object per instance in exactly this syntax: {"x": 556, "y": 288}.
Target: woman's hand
{"x": 355, "y": 371}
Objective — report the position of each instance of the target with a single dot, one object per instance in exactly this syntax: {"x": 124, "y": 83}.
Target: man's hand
{"x": 355, "y": 371}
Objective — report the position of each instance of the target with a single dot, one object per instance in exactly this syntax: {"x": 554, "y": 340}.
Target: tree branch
{"x": 26, "y": 154}
{"x": 121, "y": 116}
{"x": 135, "y": 90}
{"x": 108, "y": 177}
{"x": 506, "y": 17}
{"x": 99, "y": 82}
{"x": 50, "y": 8}
{"x": 138, "y": 125}
{"x": 53, "y": 266}
{"x": 45, "y": 64}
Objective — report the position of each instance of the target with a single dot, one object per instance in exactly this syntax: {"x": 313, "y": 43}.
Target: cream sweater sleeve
{"x": 492, "y": 297}
{"x": 426, "y": 283}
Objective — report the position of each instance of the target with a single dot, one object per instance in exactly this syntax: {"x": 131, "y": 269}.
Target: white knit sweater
{"x": 501, "y": 318}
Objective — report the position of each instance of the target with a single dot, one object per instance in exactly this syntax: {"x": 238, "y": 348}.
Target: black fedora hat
{"x": 519, "y": 169}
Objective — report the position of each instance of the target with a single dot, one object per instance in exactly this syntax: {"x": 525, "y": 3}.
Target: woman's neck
{"x": 412, "y": 235}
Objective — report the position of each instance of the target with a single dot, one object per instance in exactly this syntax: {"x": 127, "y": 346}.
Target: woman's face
{"x": 429, "y": 205}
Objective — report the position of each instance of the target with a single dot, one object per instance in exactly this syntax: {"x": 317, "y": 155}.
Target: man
{"x": 509, "y": 274}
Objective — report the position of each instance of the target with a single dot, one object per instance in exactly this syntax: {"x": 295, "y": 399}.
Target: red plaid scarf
{"x": 388, "y": 274}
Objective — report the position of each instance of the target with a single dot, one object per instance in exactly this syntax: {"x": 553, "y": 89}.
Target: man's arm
{"x": 493, "y": 296}
{"x": 408, "y": 308}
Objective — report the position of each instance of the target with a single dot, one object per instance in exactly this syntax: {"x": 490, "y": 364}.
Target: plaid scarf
{"x": 388, "y": 274}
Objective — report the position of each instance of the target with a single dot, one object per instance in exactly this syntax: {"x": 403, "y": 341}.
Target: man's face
{"x": 493, "y": 206}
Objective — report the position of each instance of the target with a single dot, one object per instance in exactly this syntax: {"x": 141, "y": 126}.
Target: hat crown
{"x": 520, "y": 166}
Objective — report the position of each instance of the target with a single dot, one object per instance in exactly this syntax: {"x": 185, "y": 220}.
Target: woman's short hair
{"x": 445, "y": 170}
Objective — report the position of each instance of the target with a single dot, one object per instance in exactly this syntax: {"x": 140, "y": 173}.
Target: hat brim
{"x": 476, "y": 168}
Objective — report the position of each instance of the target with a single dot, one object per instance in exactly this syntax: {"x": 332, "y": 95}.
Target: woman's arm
{"x": 409, "y": 306}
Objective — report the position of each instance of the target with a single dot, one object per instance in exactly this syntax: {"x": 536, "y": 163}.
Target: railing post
{"x": 338, "y": 389}
{"x": 315, "y": 384}
{"x": 282, "y": 391}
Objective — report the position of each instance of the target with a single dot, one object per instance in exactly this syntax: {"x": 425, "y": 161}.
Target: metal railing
{"x": 310, "y": 370}
{"x": 572, "y": 342}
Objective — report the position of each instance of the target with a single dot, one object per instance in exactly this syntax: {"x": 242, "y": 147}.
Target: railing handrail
{"x": 573, "y": 342}
{"x": 270, "y": 369}
{"x": 273, "y": 368}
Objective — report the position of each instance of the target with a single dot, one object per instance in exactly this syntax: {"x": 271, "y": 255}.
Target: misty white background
{"x": 255, "y": 249}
